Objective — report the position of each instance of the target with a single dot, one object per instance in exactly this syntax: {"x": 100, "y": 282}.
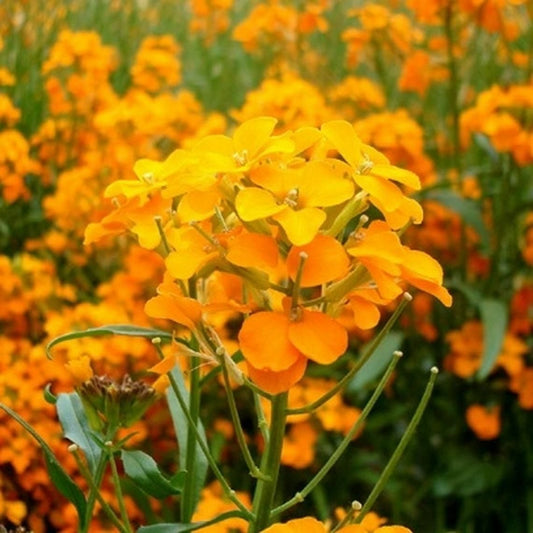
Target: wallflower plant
{"x": 307, "y": 225}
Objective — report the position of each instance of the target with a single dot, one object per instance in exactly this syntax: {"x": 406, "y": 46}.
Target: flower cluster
{"x": 272, "y": 210}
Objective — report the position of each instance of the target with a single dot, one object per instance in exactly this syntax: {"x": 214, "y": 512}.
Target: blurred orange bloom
{"x": 485, "y": 422}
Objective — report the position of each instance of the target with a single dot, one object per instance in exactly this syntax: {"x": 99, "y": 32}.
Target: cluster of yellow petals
{"x": 271, "y": 209}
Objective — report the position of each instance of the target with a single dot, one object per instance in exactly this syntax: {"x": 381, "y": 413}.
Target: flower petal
{"x": 318, "y": 336}
{"x": 253, "y": 134}
{"x": 197, "y": 205}
{"x": 165, "y": 365}
{"x": 254, "y": 203}
{"x": 253, "y": 250}
{"x": 281, "y": 381}
{"x": 183, "y": 264}
{"x": 326, "y": 261}
{"x": 343, "y": 137}
{"x": 264, "y": 341}
{"x": 366, "y": 314}
{"x": 398, "y": 174}
{"x": 389, "y": 195}
{"x": 301, "y": 226}
{"x": 322, "y": 185}
{"x": 179, "y": 309}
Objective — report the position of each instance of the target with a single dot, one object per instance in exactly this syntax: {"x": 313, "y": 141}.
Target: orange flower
{"x": 170, "y": 304}
{"x": 132, "y": 215}
{"x": 484, "y": 421}
{"x": 371, "y": 170}
{"x": 326, "y": 260}
{"x": 299, "y": 445}
{"x": 380, "y": 250}
{"x": 311, "y": 525}
{"x": 276, "y": 345}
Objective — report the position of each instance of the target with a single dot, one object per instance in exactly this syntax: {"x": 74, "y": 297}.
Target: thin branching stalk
{"x": 118, "y": 489}
{"x": 94, "y": 488}
{"x": 398, "y": 452}
{"x": 358, "y": 365}
{"x": 301, "y": 495}
{"x": 239, "y": 433}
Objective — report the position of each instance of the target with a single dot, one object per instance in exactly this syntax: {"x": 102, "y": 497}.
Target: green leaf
{"x": 466, "y": 475}
{"x": 377, "y": 363}
{"x": 469, "y": 210}
{"x": 49, "y": 396}
{"x": 113, "y": 329}
{"x": 143, "y": 470}
{"x": 76, "y": 427}
{"x": 61, "y": 480}
{"x": 181, "y": 428}
{"x": 182, "y": 528}
{"x": 494, "y": 318}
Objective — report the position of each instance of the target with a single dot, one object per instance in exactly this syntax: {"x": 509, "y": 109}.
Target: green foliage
{"x": 76, "y": 427}
{"x": 60, "y": 479}
{"x": 143, "y": 470}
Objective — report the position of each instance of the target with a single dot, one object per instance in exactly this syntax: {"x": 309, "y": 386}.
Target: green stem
{"x": 239, "y": 433}
{"x": 300, "y": 496}
{"x": 228, "y": 491}
{"x": 96, "y": 491}
{"x": 398, "y": 452}
{"x": 351, "y": 373}
{"x": 261, "y": 420}
{"x": 270, "y": 464}
{"x": 94, "y": 484}
{"x": 188, "y": 494}
{"x": 118, "y": 491}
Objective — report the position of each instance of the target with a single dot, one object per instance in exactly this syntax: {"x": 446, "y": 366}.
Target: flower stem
{"x": 96, "y": 492}
{"x": 187, "y": 501}
{"x": 239, "y": 433}
{"x": 398, "y": 452}
{"x": 118, "y": 491}
{"x": 300, "y": 496}
{"x": 228, "y": 491}
{"x": 351, "y": 373}
{"x": 270, "y": 463}
{"x": 94, "y": 484}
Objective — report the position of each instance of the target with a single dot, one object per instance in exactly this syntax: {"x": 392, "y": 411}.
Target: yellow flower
{"x": 293, "y": 197}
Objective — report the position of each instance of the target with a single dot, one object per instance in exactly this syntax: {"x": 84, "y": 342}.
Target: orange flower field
{"x": 266, "y": 266}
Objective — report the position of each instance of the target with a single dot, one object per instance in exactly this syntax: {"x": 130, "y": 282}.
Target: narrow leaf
{"x": 113, "y": 329}
{"x": 379, "y": 360}
{"x": 49, "y": 396}
{"x": 494, "y": 318}
{"x": 76, "y": 427}
{"x": 143, "y": 470}
{"x": 61, "y": 480}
